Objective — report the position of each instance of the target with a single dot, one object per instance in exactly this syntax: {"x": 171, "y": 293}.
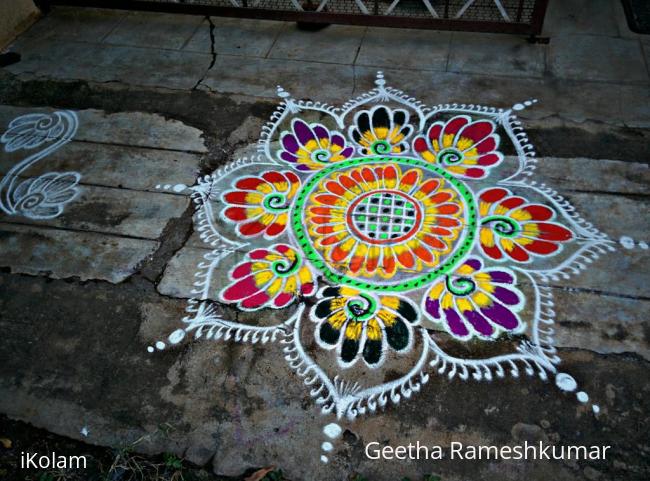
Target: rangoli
{"x": 383, "y": 242}
{"x": 45, "y": 196}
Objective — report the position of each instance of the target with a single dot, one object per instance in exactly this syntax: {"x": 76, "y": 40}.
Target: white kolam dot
{"x": 179, "y": 187}
{"x": 643, "y": 245}
{"x": 627, "y": 242}
{"x": 582, "y": 396}
{"x": 324, "y": 459}
{"x": 150, "y": 349}
{"x": 176, "y": 336}
{"x": 565, "y": 382}
{"x": 518, "y": 107}
{"x": 332, "y": 430}
{"x": 595, "y": 408}
{"x": 327, "y": 446}
{"x": 167, "y": 186}
{"x": 160, "y": 345}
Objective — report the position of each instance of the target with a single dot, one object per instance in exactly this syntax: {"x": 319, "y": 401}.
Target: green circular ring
{"x": 312, "y": 255}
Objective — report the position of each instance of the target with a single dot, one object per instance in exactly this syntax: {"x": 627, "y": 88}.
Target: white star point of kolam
{"x": 373, "y": 241}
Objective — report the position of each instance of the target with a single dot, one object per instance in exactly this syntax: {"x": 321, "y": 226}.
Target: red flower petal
{"x": 434, "y": 131}
{"x": 368, "y": 175}
{"x": 488, "y": 144}
{"x": 447, "y": 222}
{"x": 474, "y": 173}
{"x": 258, "y": 254}
{"x": 429, "y": 186}
{"x": 541, "y": 247}
{"x": 236, "y": 197}
{"x": 406, "y": 259}
{"x": 440, "y": 197}
{"x": 448, "y": 208}
{"x": 512, "y": 202}
{"x": 489, "y": 159}
{"x": 553, "y": 232}
{"x": 423, "y": 253}
{"x": 388, "y": 263}
{"x": 517, "y": 253}
{"x": 439, "y": 231}
{"x": 454, "y": 125}
{"x": 335, "y": 188}
{"x": 241, "y": 289}
{"x": 251, "y": 228}
{"x": 477, "y": 131}
{"x": 242, "y": 270}
{"x": 327, "y": 199}
{"x": 494, "y": 195}
{"x": 433, "y": 242}
{"x": 236, "y": 213}
{"x": 274, "y": 177}
{"x": 332, "y": 239}
{"x": 275, "y": 229}
{"x": 492, "y": 251}
{"x": 293, "y": 178}
{"x": 348, "y": 182}
{"x": 283, "y": 299}
{"x": 420, "y": 145}
{"x": 390, "y": 173}
{"x": 255, "y": 301}
{"x": 249, "y": 183}
{"x": 339, "y": 253}
{"x": 539, "y": 212}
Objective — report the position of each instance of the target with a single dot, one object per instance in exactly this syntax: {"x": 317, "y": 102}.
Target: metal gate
{"x": 501, "y": 16}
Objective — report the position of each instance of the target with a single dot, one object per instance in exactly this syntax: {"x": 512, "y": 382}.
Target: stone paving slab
{"x": 261, "y": 413}
{"x": 259, "y": 78}
{"x": 258, "y": 416}
{"x": 611, "y": 176}
{"x": 495, "y": 54}
{"x": 595, "y": 17}
{"x": 120, "y": 212}
{"x": 124, "y": 128}
{"x": 37, "y": 250}
{"x": 236, "y": 36}
{"x": 389, "y": 47}
{"x": 117, "y": 165}
{"x": 86, "y": 25}
{"x": 571, "y": 100}
{"x": 604, "y": 324}
{"x": 154, "y": 30}
{"x": 585, "y": 320}
{"x": 68, "y": 60}
{"x": 334, "y": 44}
{"x": 593, "y": 57}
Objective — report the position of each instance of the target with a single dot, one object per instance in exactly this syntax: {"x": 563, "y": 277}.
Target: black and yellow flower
{"x": 381, "y": 131}
{"x": 361, "y": 324}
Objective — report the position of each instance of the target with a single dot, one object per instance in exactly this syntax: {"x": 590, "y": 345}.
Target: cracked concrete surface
{"x": 83, "y": 295}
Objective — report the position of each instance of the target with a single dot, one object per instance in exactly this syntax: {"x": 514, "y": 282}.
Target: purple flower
{"x": 473, "y": 301}
{"x": 312, "y": 146}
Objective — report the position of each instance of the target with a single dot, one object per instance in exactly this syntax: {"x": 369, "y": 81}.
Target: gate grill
{"x": 501, "y": 16}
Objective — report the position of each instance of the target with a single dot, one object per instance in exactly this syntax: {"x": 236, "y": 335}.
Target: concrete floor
{"x": 161, "y": 101}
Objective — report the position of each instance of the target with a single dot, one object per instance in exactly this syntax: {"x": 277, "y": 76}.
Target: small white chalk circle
{"x": 332, "y": 430}
{"x": 566, "y": 382}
